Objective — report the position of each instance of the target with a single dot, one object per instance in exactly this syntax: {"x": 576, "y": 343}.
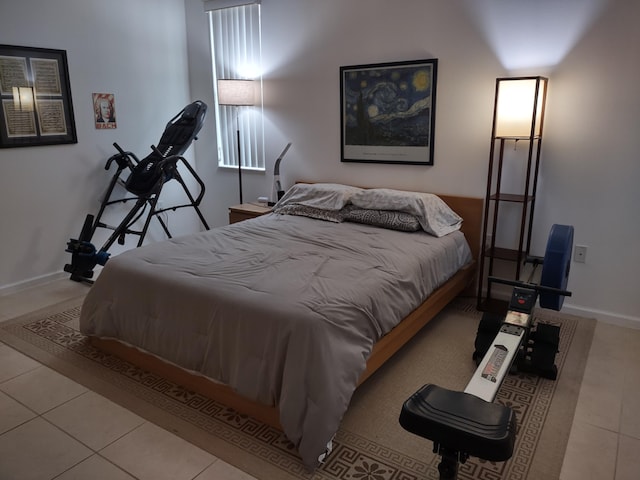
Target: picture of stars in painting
{"x": 388, "y": 106}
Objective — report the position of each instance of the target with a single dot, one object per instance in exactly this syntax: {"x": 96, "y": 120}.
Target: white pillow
{"x": 325, "y": 196}
{"x": 434, "y": 215}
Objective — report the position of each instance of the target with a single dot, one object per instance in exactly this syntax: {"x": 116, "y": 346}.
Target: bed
{"x": 283, "y": 316}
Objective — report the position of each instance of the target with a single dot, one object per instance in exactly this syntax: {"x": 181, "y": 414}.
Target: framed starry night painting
{"x": 388, "y": 112}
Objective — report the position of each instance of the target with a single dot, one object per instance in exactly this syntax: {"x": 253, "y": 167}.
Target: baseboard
{"x": 602, "y": 316}
{"x": 32, "y": 282}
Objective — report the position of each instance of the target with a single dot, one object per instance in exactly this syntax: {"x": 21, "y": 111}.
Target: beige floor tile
{"x": 94, "y": 420}
{"x": 600, "y": 407}
{"x": 591, "y": 453}
{"x": 630, "y": 416}
{"x": 37, "y": 450}
{"x": 614, "y": 341}
{"x": 222, "y": 470}
{"x": 42, "y": 389}
{"x": 95, "y": 468}
{"x": 628, "y": 465}
{"x": 14, "y": 363}
{"x": 605, "y": 370}
{"x": 12, "y": 413}
{"x": 601, "y": 392}
{"x": 151, "y": 453}
{"x": 39, "y": 296}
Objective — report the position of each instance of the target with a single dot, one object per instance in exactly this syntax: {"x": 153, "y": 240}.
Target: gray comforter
{"x": 283, "y": 309}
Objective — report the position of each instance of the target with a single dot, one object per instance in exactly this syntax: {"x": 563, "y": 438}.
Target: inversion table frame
{"x": 145, "y": 182}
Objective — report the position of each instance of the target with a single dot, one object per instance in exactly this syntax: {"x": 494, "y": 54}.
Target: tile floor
{"x": 73, "y": 433}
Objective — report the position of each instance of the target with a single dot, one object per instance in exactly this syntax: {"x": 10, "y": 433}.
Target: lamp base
{"x": 239, "y": 165}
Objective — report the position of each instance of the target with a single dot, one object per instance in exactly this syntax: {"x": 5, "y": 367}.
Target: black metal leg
{"x": 120, "y": 229}
{"x": 194, "y": 201}
{"x": 449, "y": 463}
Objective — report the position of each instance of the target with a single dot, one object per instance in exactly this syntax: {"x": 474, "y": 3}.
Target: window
{"x": 235, "y": 31}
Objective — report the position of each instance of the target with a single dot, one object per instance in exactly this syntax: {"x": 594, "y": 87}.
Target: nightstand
{"x": 245, "y": 211}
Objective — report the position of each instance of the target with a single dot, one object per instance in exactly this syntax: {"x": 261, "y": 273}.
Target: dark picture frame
{"x": 35, "y": 97}
{"x": 388, "y": 112}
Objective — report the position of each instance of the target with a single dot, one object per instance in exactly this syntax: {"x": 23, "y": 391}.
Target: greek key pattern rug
{"x": 54, "y": 339}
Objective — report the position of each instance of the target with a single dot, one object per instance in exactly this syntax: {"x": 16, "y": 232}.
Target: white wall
{"x": 589, "y": 166}
{"x": 590, "y": 174}
{"x": 134, "y": 49}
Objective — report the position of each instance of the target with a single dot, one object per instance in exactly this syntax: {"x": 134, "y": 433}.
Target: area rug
{"x": 370, "y": 444}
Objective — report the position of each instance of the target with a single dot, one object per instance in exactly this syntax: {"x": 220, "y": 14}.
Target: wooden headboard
{"x": 471, "y": 211}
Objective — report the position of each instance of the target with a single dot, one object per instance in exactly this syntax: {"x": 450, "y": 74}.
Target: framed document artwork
{"x": 388, "y": 112}
{"x": 35, "y": 104}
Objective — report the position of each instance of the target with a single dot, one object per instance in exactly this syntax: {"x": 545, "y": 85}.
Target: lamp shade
{"x": 519, "y": 105}
{"x": 236, "y": 92}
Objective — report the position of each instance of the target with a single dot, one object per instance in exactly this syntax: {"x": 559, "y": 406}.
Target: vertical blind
{"x": 236, "y": 50}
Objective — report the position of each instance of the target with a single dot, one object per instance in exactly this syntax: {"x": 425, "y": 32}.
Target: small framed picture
{"x": 104, "y": 110}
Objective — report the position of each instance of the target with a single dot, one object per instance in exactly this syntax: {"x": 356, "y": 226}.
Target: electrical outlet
{"x": 580, "y": 254}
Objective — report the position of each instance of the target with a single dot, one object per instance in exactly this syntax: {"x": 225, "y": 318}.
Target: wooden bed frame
{"x": 470, "y": 209}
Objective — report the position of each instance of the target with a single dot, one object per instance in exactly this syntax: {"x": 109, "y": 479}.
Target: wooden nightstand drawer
{"x": 245, "y": 211}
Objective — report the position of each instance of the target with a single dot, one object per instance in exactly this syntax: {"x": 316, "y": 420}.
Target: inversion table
{"x": 143, "y": 185}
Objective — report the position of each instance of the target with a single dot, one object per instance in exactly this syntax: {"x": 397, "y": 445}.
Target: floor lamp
{"x": 518, "y": 116}
{"x": 237, "y": 93}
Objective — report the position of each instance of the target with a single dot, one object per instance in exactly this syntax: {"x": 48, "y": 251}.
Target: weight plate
{"x": 555, "y": 266}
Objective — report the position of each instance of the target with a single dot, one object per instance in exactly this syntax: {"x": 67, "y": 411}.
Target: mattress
{"x": 283, "y": 309}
